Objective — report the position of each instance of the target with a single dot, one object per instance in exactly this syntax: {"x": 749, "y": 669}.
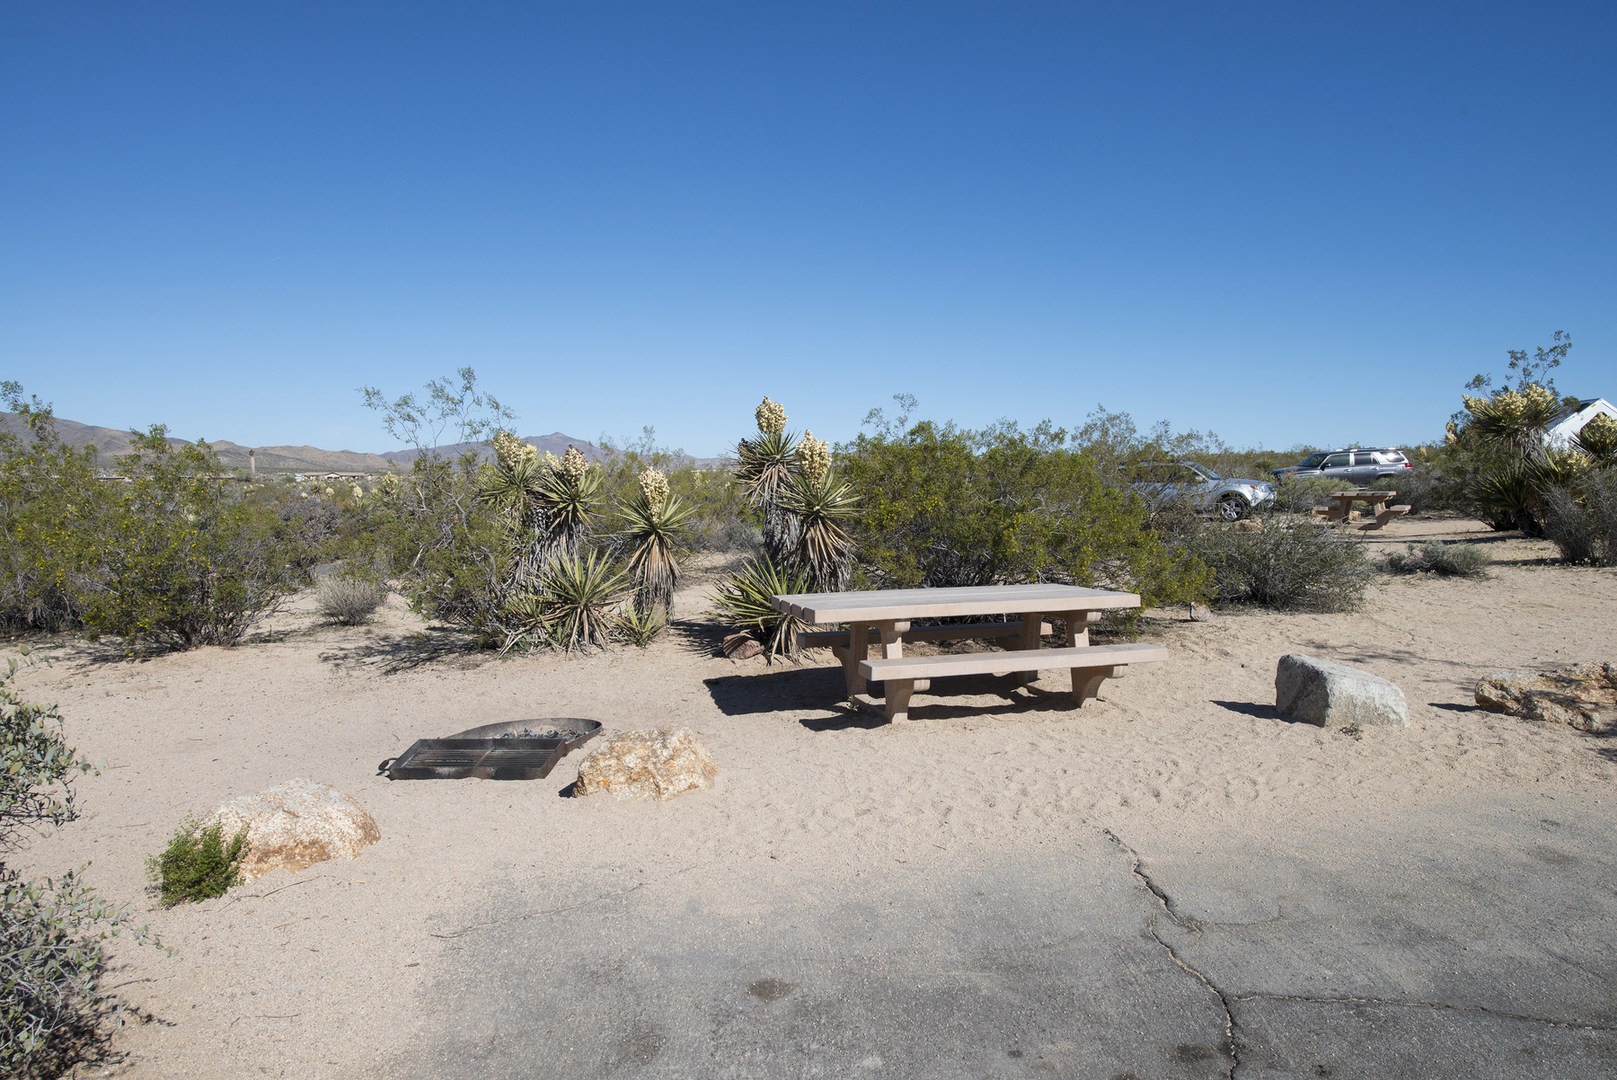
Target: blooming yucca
{"x": 814, "y": 457}
{"x": 771, "y": 417}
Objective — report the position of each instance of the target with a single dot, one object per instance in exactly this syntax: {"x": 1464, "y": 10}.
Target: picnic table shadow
{"x": 821, "y": 690}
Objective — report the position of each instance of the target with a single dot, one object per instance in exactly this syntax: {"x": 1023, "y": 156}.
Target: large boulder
{"x": 1583, "y": 696}
{"x": 660, "y": 763}
{"x": 1330, "y": 694}
{"x": 295, "y": 825}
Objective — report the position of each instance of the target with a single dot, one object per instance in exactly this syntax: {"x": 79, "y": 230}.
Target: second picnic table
{"x": 1340, "y": 512}
{"x": 885, "y": 617}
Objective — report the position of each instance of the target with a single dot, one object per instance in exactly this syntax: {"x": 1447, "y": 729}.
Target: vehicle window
{"x": 1312, "y": 461}
{"x": 1367, "y": 457}
{"x": 1336, "y": 461}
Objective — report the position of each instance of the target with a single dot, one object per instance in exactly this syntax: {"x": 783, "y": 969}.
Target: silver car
{"x": 1356, "y": 465}
{"x": 1163, "y": 482}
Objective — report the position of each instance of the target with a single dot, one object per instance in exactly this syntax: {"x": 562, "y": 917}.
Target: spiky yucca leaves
{"x": 822, "y": 547}
{"x": 640, "y": 627}
{"x": 742, "y": 599}
{"x": 570, "y": 494}
{"x": 514, "y": 484}
{"x": 1517, "y": 418}
{"x": 654, "y": 528}
{"x": 579, "y": 595}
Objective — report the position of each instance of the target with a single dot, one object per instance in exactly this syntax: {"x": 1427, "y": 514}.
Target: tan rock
{"x": 741, "y": 646}
{"x": 660, "y": 763}
{"x": 296, "y": 825}
{"x": 1583, "y": 696}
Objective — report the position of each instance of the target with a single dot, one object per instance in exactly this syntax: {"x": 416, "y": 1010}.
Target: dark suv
{"x": 1356, "y": 465}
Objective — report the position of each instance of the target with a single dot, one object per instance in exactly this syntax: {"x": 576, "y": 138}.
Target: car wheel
{"x": 1232, "y": 508}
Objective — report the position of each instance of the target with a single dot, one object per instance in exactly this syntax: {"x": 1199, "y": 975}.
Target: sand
{"x": 324, "y": 972}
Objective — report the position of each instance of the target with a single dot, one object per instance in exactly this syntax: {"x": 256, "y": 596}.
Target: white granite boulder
{"x": 660, "y": 763}
{"x": 296, "y": 825}
{"x": 1583, "y": 696}
{"x": 1330, "y": 694}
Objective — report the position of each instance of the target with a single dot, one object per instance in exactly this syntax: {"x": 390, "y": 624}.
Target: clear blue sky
{"x": 1289, "y": 223}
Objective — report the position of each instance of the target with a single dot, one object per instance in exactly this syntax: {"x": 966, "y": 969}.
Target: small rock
{"x": 1332, "y": 695}
{"x": 1583, "y": 696}
{"x": 661, "y": 763}
{"x": 296, "y": 825}
{"x": 741, "y": 646}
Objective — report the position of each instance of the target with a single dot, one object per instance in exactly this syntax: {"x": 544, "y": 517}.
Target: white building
{"x": 1560, "y": 434}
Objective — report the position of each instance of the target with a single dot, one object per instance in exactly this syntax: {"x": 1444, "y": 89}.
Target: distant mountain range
{"x": 111, "y": 442}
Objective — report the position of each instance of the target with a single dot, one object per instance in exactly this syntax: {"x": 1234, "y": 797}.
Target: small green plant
{"x": 198, "y": 864}
{"x": 1444, "y": 560}
{"x": 349, "y": 600}
{"x": 640, "y": 627}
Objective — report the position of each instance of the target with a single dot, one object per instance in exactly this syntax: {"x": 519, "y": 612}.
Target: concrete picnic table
{"x": 886, "y": 616}
{"x": 1376, "y": 504}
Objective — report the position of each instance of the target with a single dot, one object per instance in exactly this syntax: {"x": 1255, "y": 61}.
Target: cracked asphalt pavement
{"x": 1474, "y": 942}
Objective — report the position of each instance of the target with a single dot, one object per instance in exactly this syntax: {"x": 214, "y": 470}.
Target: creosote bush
{"x": 198, "y": 864}
{"x": 1582, "y": 520}
{"x": 1444, "y": 560}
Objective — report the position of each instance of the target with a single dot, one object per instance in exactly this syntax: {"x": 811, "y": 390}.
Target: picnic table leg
{"x": 858, "y": 649}
{"x": 1077, "y": 627}
{"x": 1086, "y": 682}
{"x": 892, "y": 648}
{"x": 1032, "y": 622}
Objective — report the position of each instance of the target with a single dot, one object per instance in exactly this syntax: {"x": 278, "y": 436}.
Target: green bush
{"x": 183, "y": 562}
{"x": 1445, "y": 560}
{"x": 943, "y": 506}
{"x": 1285, "y": 564}
{"x": 198, "y": 864}
{"x": 53, "y": 933}
{"x": 50, "y": 507}
{"x": 1299, "y": 495}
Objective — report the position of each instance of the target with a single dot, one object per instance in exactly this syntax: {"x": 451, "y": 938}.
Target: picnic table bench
{"x": 1340, "y": 510}
{"x": 886, "y": 617}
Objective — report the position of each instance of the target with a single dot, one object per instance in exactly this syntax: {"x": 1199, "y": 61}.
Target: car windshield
{"x": 1312, "y": 461}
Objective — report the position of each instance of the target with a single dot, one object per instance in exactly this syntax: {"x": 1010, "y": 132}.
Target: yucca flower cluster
{"x": 654, "y": 486}
{"x": 1513, "y": 409}
{"x": 814, "y": 457}
{"x": 574, "y": 464}
{"x": 771, "y": 417}
{"x": 508, "y": 449}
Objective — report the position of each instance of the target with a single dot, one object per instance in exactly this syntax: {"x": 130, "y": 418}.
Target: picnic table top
{"x": 881, "y": 605}
{"x": 1363, "y": 494}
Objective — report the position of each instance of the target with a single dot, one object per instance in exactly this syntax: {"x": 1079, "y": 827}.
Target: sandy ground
{"x": 327, "y": 972}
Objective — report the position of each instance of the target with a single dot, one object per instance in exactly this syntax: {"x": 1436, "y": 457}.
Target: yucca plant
{"x": 743, "y": 599}
{"x": 818, "y": 505}
{"x": 569, "y": 494}
{"x": 580, "y": 592}
{"x": 640, "y": 627}
{"x": 764, "y": 465}
{"x": 655, "y": 524}
{"x": 1598, "y": 439}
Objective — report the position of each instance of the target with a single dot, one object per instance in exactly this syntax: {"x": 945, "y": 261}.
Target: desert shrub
{"x": 1445, "y": 560}
{"x": 198, "y": 864}
{"x": 53, "y": 932}
{"x": 640, "y": 628}
{"x": 349, "y": 600}
{"x": 1582, "y": 521}
{"x": 943, "y": 506}
{"x": 653, "y": 527}
{"x": 182, "y": 561}
{"x": 1285, "y": 564}
{"x": 1299, "y": 495}
{"x": 51, "y": 506}
{"x": 580, "y": 593}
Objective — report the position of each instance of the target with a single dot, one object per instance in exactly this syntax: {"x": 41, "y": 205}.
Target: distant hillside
{"x": 109, "y": 443}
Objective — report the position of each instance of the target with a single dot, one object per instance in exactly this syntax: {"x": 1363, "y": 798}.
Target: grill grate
{"x": 493, "y": 752}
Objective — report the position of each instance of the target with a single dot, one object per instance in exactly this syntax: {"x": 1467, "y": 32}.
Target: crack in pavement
{"x": 1231, "y": 1026}
{"x": 1228, "y": 1000}
{"x": 1439, "y": 1006}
